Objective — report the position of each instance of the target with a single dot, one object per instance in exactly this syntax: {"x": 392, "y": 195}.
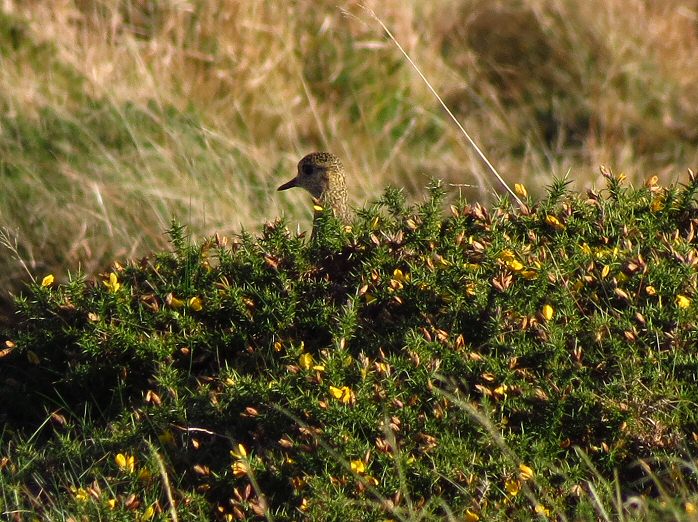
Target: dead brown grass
{"x": 231, "y": 93}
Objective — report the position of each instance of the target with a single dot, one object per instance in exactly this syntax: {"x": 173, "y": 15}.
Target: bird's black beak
{"x": 289, "y": 184}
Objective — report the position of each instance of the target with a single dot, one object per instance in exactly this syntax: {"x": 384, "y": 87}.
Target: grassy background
{"x": 117, "y": 115}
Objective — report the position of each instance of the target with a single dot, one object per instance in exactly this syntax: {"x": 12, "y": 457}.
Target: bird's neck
{"x": 336, "y": 199}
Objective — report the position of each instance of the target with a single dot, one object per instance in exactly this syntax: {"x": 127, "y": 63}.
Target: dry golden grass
{"x": 200, "y": 109}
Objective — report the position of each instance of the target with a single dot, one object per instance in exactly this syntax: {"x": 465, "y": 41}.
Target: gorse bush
{"x": 417, "y": 364}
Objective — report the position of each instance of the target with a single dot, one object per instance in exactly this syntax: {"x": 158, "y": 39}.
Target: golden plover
{"x": 322, "y": 174}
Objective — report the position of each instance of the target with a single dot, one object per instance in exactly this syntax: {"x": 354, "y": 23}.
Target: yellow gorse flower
{"x": 548, "y": 312}
{"x": 80, "y": 494}
{"x": 513, "y": 487}
{"x": 501, "y": 391}
{"x": 196, "y": 304}
{"x": 47, "y": 281}
{"x": 510, "y": 260}
{"x": 125, "y": 462}
{"x": 682, "y": 301}
{"x": 657, "y": 203}
{"x": 554, "y": 222}
{"x": 520, "y": 190}
{"x": 173, "y": 302}
{"x": 112, "y": 284}
{"x": 343, "y": 394}
{"x": 529, "y": 274}
{"x": 305, "y": 361}
{"x": 358, "y": 466}
{"x": 240, "y": 468}
{"x": 470, "y": 516}
{"x": 239, "y": 452}
{"x": 525, "y": 472}
{"x": 398, "y": 275}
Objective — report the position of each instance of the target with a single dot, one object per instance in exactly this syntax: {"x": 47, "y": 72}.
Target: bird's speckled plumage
{"x": 322, "y": 174}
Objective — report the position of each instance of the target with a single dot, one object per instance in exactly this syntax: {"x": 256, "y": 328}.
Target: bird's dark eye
{"x": 307, "y": 170}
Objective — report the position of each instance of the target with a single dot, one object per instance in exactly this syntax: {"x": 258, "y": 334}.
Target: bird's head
{"x": 320, "y": 173}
